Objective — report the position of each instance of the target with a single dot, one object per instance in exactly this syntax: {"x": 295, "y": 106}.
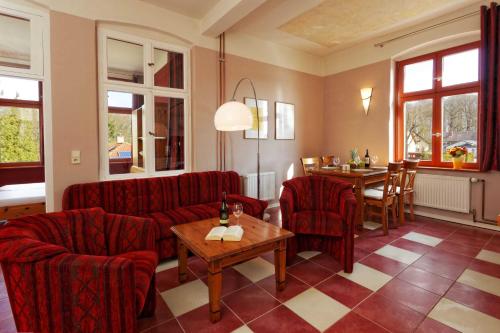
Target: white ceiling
{"x": 192, "y": 8}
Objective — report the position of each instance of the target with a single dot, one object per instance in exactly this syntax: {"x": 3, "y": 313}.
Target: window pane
{"x": 418, "y": 129}
{"x": 419, "y": 76}
{"x": 125, "y": 61}
{"x": 15, "y": 42}
{"x": 169, "y": 69}
{"x": 461, "y": 67}
{"x": 169, "y": 133}
{"x": 460, "y": 125}
{"x": 23, "y": 89}
{"x": 125, "y": 134}
{"x": 119, "y": 99}
{"x": 19, "y": 135}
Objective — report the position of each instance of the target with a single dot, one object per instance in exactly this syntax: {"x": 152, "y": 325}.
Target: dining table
{"x": 360, "y": 178}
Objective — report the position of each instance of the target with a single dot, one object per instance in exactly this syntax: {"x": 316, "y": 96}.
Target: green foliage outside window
{"x": 19, "y": 135}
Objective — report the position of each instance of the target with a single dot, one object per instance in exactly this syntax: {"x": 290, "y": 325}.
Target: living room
{"x": 126, "y": 106}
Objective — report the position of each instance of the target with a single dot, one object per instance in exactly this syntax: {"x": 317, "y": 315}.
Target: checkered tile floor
{"x": 427, "y": 276}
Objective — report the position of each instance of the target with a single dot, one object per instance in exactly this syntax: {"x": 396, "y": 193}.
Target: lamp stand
{"x": 258, "y": 127}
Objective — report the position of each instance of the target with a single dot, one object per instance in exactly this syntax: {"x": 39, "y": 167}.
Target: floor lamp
{"x": 236, "y": 116}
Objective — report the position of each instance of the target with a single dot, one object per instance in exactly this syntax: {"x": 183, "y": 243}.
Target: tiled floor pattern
{"x": 427, "y": 276}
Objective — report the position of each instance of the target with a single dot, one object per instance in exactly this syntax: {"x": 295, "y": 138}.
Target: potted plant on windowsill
{"x": 458, "y": 155}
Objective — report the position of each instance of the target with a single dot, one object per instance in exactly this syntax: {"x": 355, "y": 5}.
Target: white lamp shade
{"x": 233, "y": 116}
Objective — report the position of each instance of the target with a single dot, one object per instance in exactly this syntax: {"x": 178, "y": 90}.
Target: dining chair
{"x": 310, "y": 163}
{"x": 386, "y": 198}
{"x": 327, "y": 160}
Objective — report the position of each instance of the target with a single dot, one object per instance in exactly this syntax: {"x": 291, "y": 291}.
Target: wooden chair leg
{"x": 412, "y": 213}
{"x": 401, "y": 208}
{"x": 394, "y": 215}
{"x": 385, "y": 220}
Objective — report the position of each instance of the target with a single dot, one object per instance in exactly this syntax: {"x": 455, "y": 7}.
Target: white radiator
{"x": 267, "y": 185}
{"x": 443, "y": 192}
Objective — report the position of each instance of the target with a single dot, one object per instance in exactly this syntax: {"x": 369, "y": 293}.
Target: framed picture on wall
{"x": 263, "y": 117}
{"x": 285, "y": 121}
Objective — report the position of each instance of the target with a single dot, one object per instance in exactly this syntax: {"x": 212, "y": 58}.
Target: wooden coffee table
{"x": 259, "y": 237}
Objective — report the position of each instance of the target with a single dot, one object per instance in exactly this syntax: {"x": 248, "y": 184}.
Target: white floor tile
{"x": 489, "y": 256}
{"x": 371, "y": 225}
{"x": 167, "y": 265}
{"x": 487, "y": 283}
{"x": 421, "y": 238}
{"x": 186, "y": 297}
{"x": 463, "y": 319}
{"x": 308, "y": 254}
{"x": 255, "y": 269}
{"x": 243, "y": 329}
{"x": 396, "y": 253}
{"x": 318, "y": 309}
{"x": 367, "y": 277}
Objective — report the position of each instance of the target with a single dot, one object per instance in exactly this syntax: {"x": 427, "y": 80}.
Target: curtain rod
{"x": 382, "y": 44}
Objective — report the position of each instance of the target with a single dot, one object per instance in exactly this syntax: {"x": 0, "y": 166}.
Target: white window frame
{"x": 148, "y": 90}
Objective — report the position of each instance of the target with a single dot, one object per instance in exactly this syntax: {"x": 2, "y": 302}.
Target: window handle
{"x": 436, "y": 134}
{"x": 151, "y": 64}
{"x": 151, "y": 133}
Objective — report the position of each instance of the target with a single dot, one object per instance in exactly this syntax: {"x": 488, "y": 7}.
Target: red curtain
{"x": 489, "y": 113}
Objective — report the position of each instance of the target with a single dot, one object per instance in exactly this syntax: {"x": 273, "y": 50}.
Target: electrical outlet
{"x": 75, "y": 157}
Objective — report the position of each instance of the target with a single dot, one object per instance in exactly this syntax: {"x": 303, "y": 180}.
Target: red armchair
{"x": 79, "y": 271}
{"x": 321, "y": 212}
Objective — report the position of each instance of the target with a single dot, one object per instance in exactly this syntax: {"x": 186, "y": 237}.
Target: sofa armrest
{"x": 96, "y": 292}
{"x": 251, "y": 206}
{"x": 287, "y": 206}
{"x": 128, "y": 233}
{"x": 347, "y": 208}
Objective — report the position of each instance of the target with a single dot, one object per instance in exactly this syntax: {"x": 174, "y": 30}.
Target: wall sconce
{"x": 366, "y": 95}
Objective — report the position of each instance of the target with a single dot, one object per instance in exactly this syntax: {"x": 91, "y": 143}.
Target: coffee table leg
{"x": 280, "y": 265}
{"x": 214, "y": 289}
{"x": 182, "y": 253}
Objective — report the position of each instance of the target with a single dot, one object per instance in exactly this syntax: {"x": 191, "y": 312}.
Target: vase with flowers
{"x": 458, "y": 155}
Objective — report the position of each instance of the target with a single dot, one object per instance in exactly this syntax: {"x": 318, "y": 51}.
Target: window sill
{"x": 447, "y": 169}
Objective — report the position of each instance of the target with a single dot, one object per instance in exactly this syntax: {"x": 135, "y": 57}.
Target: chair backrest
{"x": 310, "y": 163}
{"x": 408, "y": 175}
{"x": 327, "y": 159}
{"x": 392, "y": 179}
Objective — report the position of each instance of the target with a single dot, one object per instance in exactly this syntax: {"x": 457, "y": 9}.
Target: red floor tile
{"x": 198, "y": 266}
{"x": 281, "y": 319}
{"x": 378, "y": 235}
{"x": 389, "y": 266}
{"x": 475, "y": 298}
{"x": 459, "y": 248}
{"x": 162, "y": 314}
{"x": 292, "y": 289}
{"x": 368, "y": 244}
{"x": 485, "y": 267}
{"x": 250, "y": 302}
{"x": 343, "y": 290}
{"x": 430, "y": 325}
{"x": 471, "y": 239}
{"x": 391, "y": 315}
{"x": 412, "y": 246}
{"x": 493, "y": 245}
{"x": 354, "y": 323}
{"x": 171, "y": 326}
{"x": 360, "y": 254}
{"x": 309, "y": 272}
{"x": 412, "y": 296}
{"x": 426, "y": 280}
{"x": 198, "y": 321}
{"x": 327, "y": 262}
{"x": 269, "y": 256}
{"x": 443, "y": 263}
{"x": 169, "y": 279}
{"x": 232, "y": 280}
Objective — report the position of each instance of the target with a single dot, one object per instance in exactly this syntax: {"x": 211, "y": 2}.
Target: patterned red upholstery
{"x": 321, "y": 212}
{"x": 68, "y": 271}
{"x": 168, "y": 200}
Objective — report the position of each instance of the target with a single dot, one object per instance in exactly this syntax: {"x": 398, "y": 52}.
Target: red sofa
{"x": 79, "y": 271}
{"x": 168, "y": 200}
{"x": 321, "y": 212}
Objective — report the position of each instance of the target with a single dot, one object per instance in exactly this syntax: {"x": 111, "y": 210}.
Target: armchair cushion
{"x": 316, "y": 222}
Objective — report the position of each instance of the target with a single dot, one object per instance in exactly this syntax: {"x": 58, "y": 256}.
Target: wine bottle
{"x": 367, "y": 159}
{"x": 224, "y": 211}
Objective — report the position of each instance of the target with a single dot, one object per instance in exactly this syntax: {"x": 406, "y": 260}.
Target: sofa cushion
{"x": 145, "y": 265}
{"x": 231, "y": 182}
{"x": 316, "y": 223}
{"x": 200, "y": 187}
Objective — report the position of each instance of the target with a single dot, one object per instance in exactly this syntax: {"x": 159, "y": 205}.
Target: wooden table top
{"x": 352, "y": 173}
{"x": 256, "y": 233}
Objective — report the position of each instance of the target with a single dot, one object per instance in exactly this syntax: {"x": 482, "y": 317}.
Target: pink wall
{"x": 74, "y": 100}
{"x": 346, "y": 126}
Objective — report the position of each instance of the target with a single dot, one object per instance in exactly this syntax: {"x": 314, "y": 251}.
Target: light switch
{"x": 75, "y": 157}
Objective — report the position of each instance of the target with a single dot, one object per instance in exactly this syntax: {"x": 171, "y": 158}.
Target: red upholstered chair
{"x": 321, "y": 212}
{"x": 79, "y": 271}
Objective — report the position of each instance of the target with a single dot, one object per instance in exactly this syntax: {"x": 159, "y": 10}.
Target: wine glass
{"x": 237, "y": 211}
{"x": 374, "y": 159}
{"x": 336, "y": 161}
